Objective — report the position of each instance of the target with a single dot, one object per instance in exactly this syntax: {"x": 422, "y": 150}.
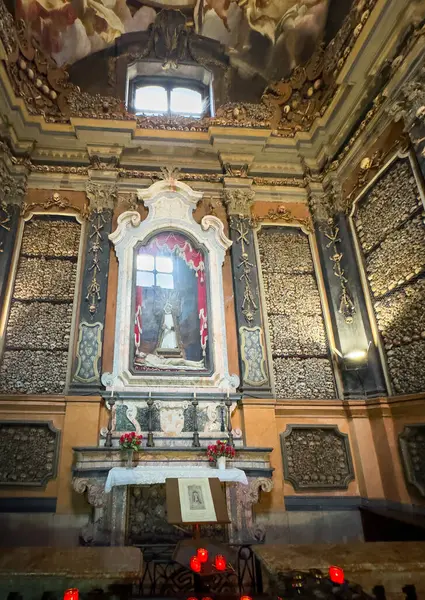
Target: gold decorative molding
{"x": 55, "y": 202}
{"x": 281, "y": 214}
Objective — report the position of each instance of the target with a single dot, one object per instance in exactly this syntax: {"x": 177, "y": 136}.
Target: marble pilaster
{"x": 12, "y": 191}
{"x": 348, "y": 311}
{"x": 255, "y": 377}
{"x": 87, "y": 366}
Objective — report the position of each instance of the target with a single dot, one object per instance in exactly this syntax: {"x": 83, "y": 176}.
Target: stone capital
{"x": 101, "y": 195}
{"x": 410, "y": 103}
{"x": 319, "y": 203}
{"x": 13, "y": 186}
{"x": 239, "y": 200}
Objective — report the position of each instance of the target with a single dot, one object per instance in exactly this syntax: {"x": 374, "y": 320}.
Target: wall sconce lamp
{"x": 354, "y": 359}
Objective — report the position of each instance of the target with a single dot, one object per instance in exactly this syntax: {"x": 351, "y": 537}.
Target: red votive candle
{"x": 195, "y": 564}
{"x": 71, "y": 594}
{"x": 336, "y": 575}
{"x": 220, "y": 562}
{"x": 202, "y": 555}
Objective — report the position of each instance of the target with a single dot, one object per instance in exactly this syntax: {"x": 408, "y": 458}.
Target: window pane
{"x": 145, "y": 262}
{"x": 145, "y": 279}
{"x": 165, "y": 281}
{"x": 186, "y": 101}
{"x": 151, "y": 98}
{"x": 164, "y": 264}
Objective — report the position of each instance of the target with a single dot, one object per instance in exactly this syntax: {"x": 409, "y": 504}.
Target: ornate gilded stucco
{"x": 287, "y": 106}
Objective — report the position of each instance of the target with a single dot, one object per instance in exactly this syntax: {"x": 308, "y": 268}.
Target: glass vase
{"x": 221, "y": 462}
{"x": 129, "y": 459}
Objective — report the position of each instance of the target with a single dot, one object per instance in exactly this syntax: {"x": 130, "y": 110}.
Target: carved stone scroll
{"x": 316, "y": 457}
{"x": 240, "y": 505}
{"x": 412, "y": 449}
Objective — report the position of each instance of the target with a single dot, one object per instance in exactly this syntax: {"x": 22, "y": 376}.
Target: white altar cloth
{"x": 145, "y": 475}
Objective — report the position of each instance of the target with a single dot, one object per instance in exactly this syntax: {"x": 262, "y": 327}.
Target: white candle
{"x": 194, "y": 395}
{"x": 112, "y": 392}
{"x": 228, "y": 394}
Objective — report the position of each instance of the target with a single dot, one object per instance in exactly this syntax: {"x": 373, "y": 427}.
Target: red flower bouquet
{"x": 219, "y": 449}
{"x": 130, "y": 441}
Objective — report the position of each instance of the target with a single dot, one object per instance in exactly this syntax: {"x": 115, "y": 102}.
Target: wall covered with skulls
{"x": 389, "y": 221}
{"x": 298, "y": 341}
{"x": 38, "y": 332}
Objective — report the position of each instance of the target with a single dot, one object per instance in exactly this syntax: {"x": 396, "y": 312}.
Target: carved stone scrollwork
{"x": 239, "y": 201}
{"x": 95, "y": 490}
{"x": 411, "y": 103}
{"x": 412, "y": 448}
{"x": 89, "y": 351}
{"x": 240, "y": 505}
{"x": 316, "y": 457}
{"x": 101, "y": 195}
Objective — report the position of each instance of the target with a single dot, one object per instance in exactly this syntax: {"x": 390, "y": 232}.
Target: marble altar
{"x": 110, "y": 518}
{"x": 147, "y": 475}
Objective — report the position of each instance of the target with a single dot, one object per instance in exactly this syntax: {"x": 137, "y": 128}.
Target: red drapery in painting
{"x": 178, "y": 244}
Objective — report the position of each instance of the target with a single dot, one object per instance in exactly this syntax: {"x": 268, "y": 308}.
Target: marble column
{"x": 88, "y": 359}
{"x": 349, "y": 315}
{"x": 12, "y": 191}
{"x": 254, "y": 368}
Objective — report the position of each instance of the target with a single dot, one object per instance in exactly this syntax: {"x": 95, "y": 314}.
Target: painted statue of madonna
{"x": 170, "y": 304}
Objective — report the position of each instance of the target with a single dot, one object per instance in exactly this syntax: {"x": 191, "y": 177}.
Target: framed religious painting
{"x": 196, "y": 500}
{"x": 170, "y": 303}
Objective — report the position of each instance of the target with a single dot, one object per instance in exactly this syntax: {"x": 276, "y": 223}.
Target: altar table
{"x": 147, "y": 475}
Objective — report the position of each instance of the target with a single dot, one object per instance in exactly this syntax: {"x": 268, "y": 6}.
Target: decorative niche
{"x": 39, "y": 326}
{"x": 299, "y": 345}
{"x": 316, "y": 457}
{"x": 29, "y": 451}
{"x": 170, "y": 326}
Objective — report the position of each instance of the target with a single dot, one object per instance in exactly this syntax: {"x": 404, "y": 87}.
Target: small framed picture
{"x": 196, "y": 501}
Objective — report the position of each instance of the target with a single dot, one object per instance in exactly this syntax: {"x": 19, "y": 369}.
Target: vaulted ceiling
{"x": 268, "y": 38}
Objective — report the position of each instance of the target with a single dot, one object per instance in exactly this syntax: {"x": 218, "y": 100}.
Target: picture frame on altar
{"x": 196, "y": 500}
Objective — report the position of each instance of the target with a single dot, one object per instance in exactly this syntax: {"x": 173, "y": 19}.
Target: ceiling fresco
{"x": 262, "y": 37}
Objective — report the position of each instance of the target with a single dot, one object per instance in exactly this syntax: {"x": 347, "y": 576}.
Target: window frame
{"x": 155, "y": 271}
{"x": 169, "y": 83}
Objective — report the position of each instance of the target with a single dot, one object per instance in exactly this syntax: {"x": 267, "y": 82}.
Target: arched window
{"x": 169, "y": 97}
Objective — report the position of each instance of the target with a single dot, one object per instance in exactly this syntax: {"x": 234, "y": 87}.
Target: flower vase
{"x": 221, "y": 463}
{"x": 129, "y": 459}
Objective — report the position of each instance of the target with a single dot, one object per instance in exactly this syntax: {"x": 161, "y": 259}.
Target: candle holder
{"x": 150, "y": 442}
{"x": 195, "y": 443}
{"x": 229, "y": 423}
{"x": 108, "y": 440}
